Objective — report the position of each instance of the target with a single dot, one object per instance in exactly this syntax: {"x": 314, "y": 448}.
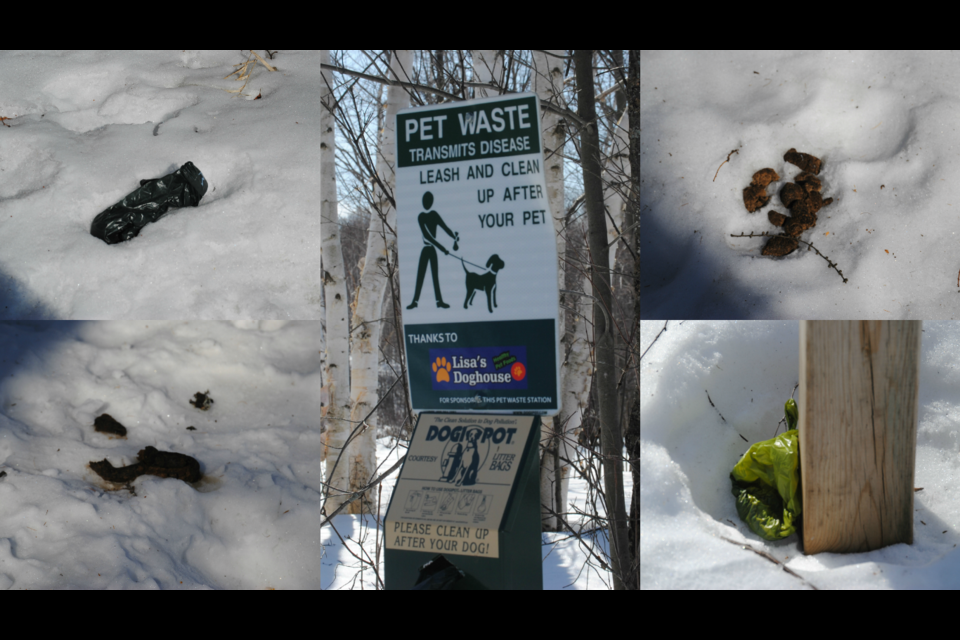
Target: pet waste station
{"x": 465, "y": 513}
{"x": 479, "y": 285}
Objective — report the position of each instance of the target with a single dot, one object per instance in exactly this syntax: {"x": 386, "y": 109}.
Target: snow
{"x": 252, "y": 522}
{"x": 85, "y": 127}
{"x": 749, "y": 368}
{"x": 884, "y": 123}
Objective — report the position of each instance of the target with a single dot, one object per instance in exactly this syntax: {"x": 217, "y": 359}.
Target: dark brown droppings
{"x": 809, "y": 181}
{"x": 804, "y": 208}
{"x": 803, "y": 199}
{"x": 764, "y": 177}
{"x": 790, "y": 193}
{"x": 165, "y": 464}
{"x": 779, "y": 246}
{"x": 168, "y": 464}
{"x": 805, "y": 161}
{"x": 795, "y": 225}
{"x": 112, "y": 474}
{"x": 776, "y": 218}
{"x": 191, "y": 428}
{"x": 106, "y": 424}
{"x": 755, "y": 196}
{"x": 202, "y": 401}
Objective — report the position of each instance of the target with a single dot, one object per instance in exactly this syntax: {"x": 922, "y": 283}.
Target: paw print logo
{"x": 442, "y": 368}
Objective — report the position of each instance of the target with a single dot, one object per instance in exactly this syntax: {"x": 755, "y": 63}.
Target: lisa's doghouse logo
{"x": 466, "y": 450}
{"x": 473, "y": 368}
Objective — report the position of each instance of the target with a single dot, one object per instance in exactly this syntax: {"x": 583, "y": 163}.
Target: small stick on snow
{"x": 830, "y": 263}
{"x": 714, "y": 406}
{"x": 725, "y": 162}
{"x": 764, "y": 554}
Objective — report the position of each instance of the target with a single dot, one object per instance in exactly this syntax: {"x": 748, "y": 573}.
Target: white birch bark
{"x": 575, "y": 347}
{"x": 365, "y": 339}
{"x": 337, "y": 354}
{"x": 616, "y": 182}
{"x": 548, "y": 84}
{"x": 575, "y": 379}
{"x": 487, "y": 67}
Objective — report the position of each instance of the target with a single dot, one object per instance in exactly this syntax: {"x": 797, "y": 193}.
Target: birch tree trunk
{"x": 616, "y": 182}
{"x": 365, "y": 339}
{"x": 575, "y": 380}
{"x": 337, "y": 354}
{"x": 548, "y": 84}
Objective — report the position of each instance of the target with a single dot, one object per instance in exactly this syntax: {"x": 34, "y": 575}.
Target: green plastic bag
{"x": 766, "y": 482}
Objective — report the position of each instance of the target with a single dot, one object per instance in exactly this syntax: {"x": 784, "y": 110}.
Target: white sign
{"x": 477, "y": 257}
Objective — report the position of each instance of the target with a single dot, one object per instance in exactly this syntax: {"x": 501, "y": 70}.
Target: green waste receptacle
{"x": 465, "y": 512}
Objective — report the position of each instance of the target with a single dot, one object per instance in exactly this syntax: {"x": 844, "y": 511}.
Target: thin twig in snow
{"x": 735, "y": 151}
{"x": 713, "y": 405}
{"x": 769, "y": 557}
{"x": 809, "y": 244}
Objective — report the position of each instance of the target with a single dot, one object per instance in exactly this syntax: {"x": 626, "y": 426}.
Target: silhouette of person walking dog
{"x": 429, "y": 220}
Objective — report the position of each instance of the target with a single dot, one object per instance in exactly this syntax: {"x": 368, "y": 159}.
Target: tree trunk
{"x": 611, "y": 440}
{"x": 365, "y": 343}
{"x": 575, "y": 344}
{"x": 487, "y": 68}
{"x": 632, "y": 213}
{"x": 616, "y": 182}
{"x": 548, "y": 84}
{"x": 620, "y": 74}
{"x": 337, "y": 355}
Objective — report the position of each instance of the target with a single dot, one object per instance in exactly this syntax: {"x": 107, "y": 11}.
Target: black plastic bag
{"x": 124, "y": 220}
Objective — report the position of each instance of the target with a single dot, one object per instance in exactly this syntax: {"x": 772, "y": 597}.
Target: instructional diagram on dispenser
{"x": 453, "y": 490}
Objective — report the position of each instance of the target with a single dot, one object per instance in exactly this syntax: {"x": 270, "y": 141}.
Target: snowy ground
{"x": 749, "y": 369}
{"x": 85, "y": 127}
{"x": 884, "y": 123}
{"x": 252, "y": 522}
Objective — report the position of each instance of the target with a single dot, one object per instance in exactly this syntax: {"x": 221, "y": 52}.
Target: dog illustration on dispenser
{"x": 483, "y": 281}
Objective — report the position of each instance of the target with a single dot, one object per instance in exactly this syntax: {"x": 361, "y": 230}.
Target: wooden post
{"x": 858, "y": 432}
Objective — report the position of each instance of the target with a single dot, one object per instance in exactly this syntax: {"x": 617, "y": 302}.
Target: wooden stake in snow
{"x": 858, "y": 432}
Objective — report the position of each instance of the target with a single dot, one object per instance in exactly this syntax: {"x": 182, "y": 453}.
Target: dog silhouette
{"x": 483, "y": 281}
